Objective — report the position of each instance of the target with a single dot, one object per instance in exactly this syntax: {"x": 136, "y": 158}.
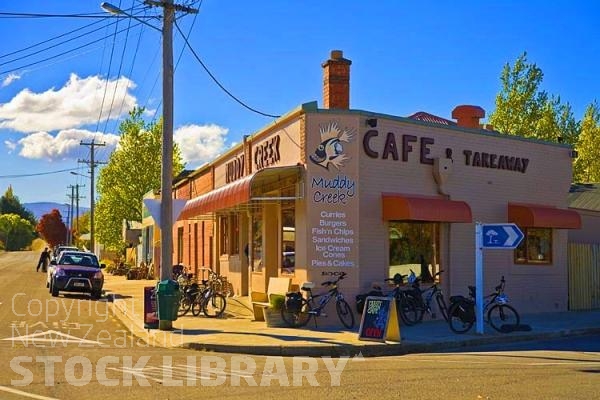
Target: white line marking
{"x": 25, "y": 394}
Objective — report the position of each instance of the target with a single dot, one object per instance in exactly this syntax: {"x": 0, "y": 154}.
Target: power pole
{"x": 74, "y": 214}
{"x": 92, "y": 163}
{"x": 70, "y": 232}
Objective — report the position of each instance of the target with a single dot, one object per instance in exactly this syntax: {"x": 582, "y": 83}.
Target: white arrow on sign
{"x": 512, "y": 236}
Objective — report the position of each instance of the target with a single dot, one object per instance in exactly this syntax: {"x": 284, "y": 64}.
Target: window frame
{"x": 521, "y": 254}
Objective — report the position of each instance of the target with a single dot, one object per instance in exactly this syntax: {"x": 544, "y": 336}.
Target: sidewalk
{"x": 238, "y": 333}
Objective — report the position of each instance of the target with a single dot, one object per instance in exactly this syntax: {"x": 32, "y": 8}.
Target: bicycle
{"x": 296, "y": 310}
{"x": 209, "y": 300}
{"x": 499, "y": 313}
{"x": 423, "y": 305}
{"x": 406, "y": 305}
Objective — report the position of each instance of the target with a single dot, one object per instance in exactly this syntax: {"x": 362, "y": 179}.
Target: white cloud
{"x": 76, "y": 104}
{"x": 200, "y": 143}
{"x": 10, "y": 145}
{"x": 10, "y": 78}
{"x": 65, "y": 145}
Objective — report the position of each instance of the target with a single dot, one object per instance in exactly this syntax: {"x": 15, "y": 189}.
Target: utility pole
{"x": 166, "y": 191}
{"x": 92, "y": 163}
{"x": 74, "y": 214}
{"x": 70, "y": 232}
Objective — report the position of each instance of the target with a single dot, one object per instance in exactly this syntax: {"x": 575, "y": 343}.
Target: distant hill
{"x": 41, "y": 208}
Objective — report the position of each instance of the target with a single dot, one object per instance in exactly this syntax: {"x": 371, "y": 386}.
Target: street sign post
{"x": 491, "y": 236}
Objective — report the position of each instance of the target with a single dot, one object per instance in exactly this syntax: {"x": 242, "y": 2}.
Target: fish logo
{"x": 331, "y": 149}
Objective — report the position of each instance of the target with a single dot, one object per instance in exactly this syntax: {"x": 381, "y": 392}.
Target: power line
{"x": 37, "y": 174}
{"x": 60, "y": 54}
{"x": 217, "y": 81}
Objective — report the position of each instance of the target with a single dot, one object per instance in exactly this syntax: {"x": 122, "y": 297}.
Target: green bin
{"x": 167, "y": 296}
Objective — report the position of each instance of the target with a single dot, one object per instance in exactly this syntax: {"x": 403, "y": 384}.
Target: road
{"x": 74, "y": 348}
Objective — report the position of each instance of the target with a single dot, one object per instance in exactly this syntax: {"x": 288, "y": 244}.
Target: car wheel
{"x": 96, "y": 294}
{"x": 53, "y": 290}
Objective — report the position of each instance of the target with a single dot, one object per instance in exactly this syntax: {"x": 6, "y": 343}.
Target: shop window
{"x": 413, "y": 246}
{"x": 535, "y": 248}
{"x": 223, "y": 235}
{"x": 235, "y": 234}
{"x": 288, "y": 234}
{"x": 257, "y": 241}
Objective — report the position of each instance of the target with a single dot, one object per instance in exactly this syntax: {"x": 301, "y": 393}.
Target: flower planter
{"x": 273, "y": 318}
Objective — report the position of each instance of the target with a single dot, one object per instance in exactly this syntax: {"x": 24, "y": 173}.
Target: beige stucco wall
{"x": 488, "y": 191}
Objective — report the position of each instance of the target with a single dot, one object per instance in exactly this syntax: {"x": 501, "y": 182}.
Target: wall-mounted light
{"x": 372, "y": 122}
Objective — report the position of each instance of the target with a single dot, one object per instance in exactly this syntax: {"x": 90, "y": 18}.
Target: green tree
{"x": 52, "y": 228}
{"x": 132, "y": 170}
{"x": 523, "y": 109}
{"x": 587, "y": 164}
{"x": 81, "y": 226}
{"x": 16, "y": 233}
{"x": 10, "y": 204}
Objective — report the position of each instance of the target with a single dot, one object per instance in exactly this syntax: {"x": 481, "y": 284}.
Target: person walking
{"x": 44, "y": 260}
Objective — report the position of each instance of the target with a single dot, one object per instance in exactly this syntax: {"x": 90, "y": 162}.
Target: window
{"x": 235, "y": 234}
{"x": 179, "y": 245}
{"x": 223, "y": 235}
{"x": 535, "y": 248}
{"x": 288, "y": 234}
{"x": 414, "y": 246}
{"x": 257, "y": 241}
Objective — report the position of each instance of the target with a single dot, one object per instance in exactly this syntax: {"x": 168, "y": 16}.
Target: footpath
{"x": 236, "y": 332}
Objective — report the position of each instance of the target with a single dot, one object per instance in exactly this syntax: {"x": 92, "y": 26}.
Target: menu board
{"x": 379, "y": 320}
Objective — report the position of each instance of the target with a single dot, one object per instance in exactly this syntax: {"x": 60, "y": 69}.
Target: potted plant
{"x": 273, "y": 312}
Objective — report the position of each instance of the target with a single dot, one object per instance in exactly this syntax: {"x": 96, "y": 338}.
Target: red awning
{"x": 537, "y": 216}
{"x": 399, "y": 207}
{"x": 238, "y": 192}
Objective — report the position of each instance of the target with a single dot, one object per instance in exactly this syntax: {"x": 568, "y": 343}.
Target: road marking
{"x": 58, "y": 337}
{"x": 25, "y": 394}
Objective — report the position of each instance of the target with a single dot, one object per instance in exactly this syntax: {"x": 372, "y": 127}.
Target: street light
{"x": 166, "y": 196}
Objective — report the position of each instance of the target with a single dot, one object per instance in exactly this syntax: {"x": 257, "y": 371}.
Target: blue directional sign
{"x": 501, "y": 236}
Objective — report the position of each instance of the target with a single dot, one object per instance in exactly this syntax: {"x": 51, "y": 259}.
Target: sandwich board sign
{"x": 379, "y": 321}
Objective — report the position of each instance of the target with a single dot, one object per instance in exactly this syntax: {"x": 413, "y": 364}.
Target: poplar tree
{"x": 133, "y": 170}
{"x": 587, "y": 164}
{"x": 524, "y": 109}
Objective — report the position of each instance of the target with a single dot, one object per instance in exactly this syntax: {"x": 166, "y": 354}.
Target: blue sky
{"x": 406, "y": 57}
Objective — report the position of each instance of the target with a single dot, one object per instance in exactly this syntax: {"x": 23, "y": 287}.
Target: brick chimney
{"x": 468, "y": 116}
{"x": 336, "y": 81}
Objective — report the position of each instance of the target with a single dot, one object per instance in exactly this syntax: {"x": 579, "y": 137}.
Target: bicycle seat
{"x": 308, "y": 286}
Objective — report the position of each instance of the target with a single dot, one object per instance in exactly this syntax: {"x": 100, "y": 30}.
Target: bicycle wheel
{"x": 407, "y": 309}
{"x": 443, "y": 309}
{"x": 501, "y": 315}
{"x": 215, "y": 305}
{"x": 296, "y": 318}
{"x": 197, "y": 304}
{"x": 461, "y": 316}
{"x": 345, "y": 313}
{"x": 184, "y": 306}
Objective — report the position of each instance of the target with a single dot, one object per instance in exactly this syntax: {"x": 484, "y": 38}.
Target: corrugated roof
{"x": 585, "y": 196}
{"x": 426, "y": 117}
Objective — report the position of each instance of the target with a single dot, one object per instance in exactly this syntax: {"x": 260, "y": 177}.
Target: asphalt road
{"x": 74, "y": 348}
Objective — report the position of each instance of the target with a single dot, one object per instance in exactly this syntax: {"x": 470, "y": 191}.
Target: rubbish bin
{"x": 167, "y": 296}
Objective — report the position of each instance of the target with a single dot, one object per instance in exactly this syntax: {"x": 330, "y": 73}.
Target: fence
{"x": 584, "y": 276}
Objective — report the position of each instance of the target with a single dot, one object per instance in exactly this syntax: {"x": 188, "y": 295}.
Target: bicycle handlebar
{"x": 330, "y": 283}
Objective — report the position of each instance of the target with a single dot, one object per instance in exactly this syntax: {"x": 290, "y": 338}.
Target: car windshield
{"x": 86, "y": 260}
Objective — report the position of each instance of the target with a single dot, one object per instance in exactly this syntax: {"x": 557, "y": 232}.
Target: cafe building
{"x": 326, "y": 190}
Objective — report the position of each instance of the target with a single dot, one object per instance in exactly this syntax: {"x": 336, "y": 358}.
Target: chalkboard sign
{"x": 150, "y": 316}
{"x": 379, "y": 320}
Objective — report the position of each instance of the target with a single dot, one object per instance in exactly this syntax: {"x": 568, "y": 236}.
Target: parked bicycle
{"x": 297, "y": 310}
{"x": 189, "y": 290}
{"x": 497, "y": 312}
{"x": 422, "y": 298}
{"x": 209, "y": 300}
{"x": 406, "y": 305}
